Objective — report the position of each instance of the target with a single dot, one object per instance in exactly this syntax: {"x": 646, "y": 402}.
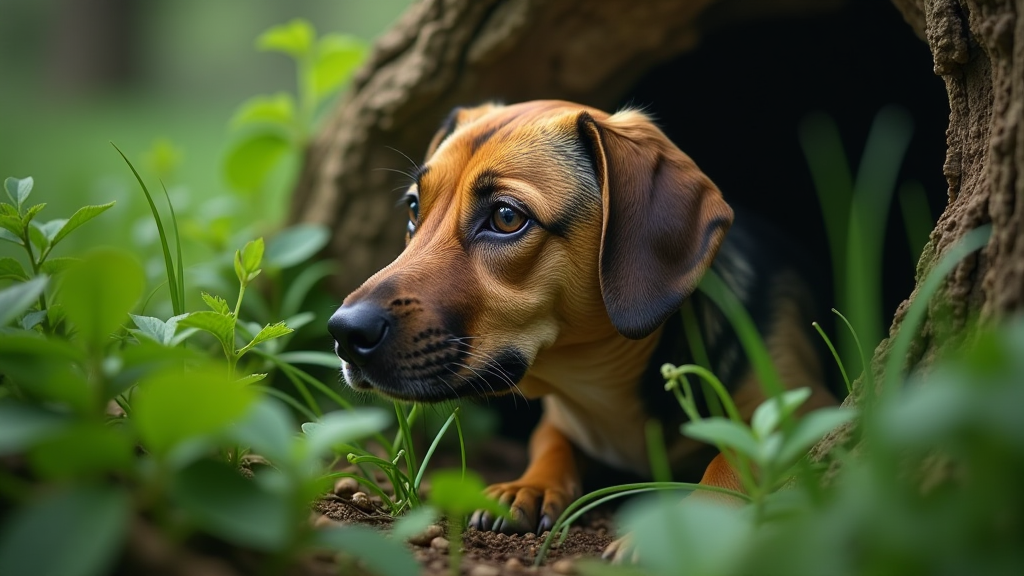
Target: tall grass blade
{"x": 894, "y": 365}
{"x": 839, "y": 362}
{"x": 179, "y": 306}
{"x": 172, "y": 283}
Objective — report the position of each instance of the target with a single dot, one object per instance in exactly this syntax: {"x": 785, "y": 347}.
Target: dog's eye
{"x": 414, "y": 215}
{"x": 507, "y": 220}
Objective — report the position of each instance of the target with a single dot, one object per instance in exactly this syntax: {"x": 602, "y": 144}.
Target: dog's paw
{"x": 621, "y": 551}
{"x": 532, "y": 508}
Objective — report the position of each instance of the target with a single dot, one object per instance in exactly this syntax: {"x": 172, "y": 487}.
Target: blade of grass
{"x": 430, "y": 451}
{"x": 897, "y": 359}
{"x": 700, "y": 355}
{"x": 172, "y": 284}
{"x": 839, "y": 362}
{"x": 869, "y": 376}
{"x": 181, "y": 268}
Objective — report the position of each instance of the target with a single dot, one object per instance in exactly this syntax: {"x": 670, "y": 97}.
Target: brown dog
{"x": 550, "y": 246}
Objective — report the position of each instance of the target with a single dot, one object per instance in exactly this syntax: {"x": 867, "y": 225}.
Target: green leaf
{"x": 155, "y": 328}
{"x": 457, "y": 495}
{"x": 384, "y": 556}
{"x": 13, "y": 225}
{"x": 54, "y": 266}
{"x": 337, "y": 57}
{"x": 33, "y": 319}
{"x": 46, "y": 369}
{"x": 17, "y": 298}
{"x": 268, "y": 429}
{"x": 725, "y": 433}
{"x": 74, "y": 532}
{"x": 99, "y": 292}
{"x": 171, "y": 407}
{"x": 296, "y": 245}
{"x": 252, "y": 378}
{"x": 18, "y": 189}
{"x": 768, "y": 415}
{"x": 37, "y": 235}
{"x": 216, "y": 303}
{"x": 269, "y": 332}
{"x": 222, "y": 327}
{"x": 686, "y": 537}
{"x": 294, "y": 38}
{"x": 31, "y": 213}
{"x": 232, "y": 507}
{"x": 250, "y": 159}
{"x": 8, "y": 236}
{"x": 22, "y": 426}
{"x": 87, "y": 449}
{"x": 81, "y": 216}
{"x": 413, "y": 523}
{"x": 252, "y": 255}
{"x": 11, "y": 269}
{"x": 342, "y": 427}
{"x": 812, "y": 428}
{"x": 277, "y": 109}
{"x": 50, "y": 227}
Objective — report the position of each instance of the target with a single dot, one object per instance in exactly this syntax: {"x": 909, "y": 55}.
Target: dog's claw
{"x": 546, "y": 523}
{"x": 531, "y": 509}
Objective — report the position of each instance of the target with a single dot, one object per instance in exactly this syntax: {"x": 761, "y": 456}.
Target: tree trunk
{"x": 444, "y": 53}
{"x": 978, "y": 50}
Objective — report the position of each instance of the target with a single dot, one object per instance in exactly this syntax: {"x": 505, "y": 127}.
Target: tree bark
{"x": 978, "y": 50}
{"x": 444, "y": 53}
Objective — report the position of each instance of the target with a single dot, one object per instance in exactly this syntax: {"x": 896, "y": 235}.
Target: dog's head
{"x": 529, "y": 225}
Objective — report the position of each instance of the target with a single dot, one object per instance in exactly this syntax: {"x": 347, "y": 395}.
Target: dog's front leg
{"x": 541, "y": 494}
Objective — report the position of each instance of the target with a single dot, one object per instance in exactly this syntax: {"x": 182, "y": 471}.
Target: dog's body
{"x": 550, "y": 248}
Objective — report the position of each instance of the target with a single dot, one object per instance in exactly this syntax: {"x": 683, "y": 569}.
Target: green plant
{"x": 457, "y": 494}
{"x": 273, "y": 126}
{"x": 188, "y": 421}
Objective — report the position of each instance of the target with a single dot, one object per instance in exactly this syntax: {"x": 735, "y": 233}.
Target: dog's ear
{"x": 662, "y": 225}
{"x": 457, "y": 117}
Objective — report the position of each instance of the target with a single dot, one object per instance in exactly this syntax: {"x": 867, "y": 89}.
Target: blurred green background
{"x": 78, "y": 74}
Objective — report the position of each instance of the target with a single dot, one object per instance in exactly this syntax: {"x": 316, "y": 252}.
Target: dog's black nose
{"x": 359, "y": 329}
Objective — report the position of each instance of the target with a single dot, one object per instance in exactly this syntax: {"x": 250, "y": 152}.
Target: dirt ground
{"x": 488, "y": 553}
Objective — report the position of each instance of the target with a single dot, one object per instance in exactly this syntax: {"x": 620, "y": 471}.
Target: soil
{"x": 511, "y": 555}
{"x": 489, "y": 553}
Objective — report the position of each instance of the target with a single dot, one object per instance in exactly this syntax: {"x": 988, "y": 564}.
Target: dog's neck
{"x": 590, "y": 394}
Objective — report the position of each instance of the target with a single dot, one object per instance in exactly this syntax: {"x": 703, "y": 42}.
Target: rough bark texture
{"x": 444, "y": 53}
{"x": 978, "y": 50}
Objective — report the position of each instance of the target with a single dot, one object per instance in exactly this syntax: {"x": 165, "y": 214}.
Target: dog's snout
{"x": 359, "y": 329}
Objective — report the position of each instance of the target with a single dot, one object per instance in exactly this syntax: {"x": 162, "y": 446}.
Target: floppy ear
{"x": 457, "y": 117}
{"x": 663, "y": 220}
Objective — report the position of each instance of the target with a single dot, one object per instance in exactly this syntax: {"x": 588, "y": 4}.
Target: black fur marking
{"x": 481, "y": 139}
{"x": 485, "y": 184}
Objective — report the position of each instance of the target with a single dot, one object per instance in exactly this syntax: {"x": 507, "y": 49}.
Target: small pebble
{"x": 439, "y": 543}
{"x": 421, "y": 555}
{"x": 362, "y": 501}
{"x": 484, "y": 570}
{"x": 424, "y": 538}
{"x": 346, "y": 486}
{"x": 564, "y": 566}
{"x": 438, "y": 565}
{"x": 529, "y": 536}
{"x": 514, "y": 563}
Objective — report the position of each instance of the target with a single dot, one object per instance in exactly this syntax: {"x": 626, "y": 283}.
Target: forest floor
{"x": 489, "y": 553}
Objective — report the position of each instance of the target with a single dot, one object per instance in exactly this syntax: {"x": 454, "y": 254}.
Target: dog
{"x": 549, "y": 249}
